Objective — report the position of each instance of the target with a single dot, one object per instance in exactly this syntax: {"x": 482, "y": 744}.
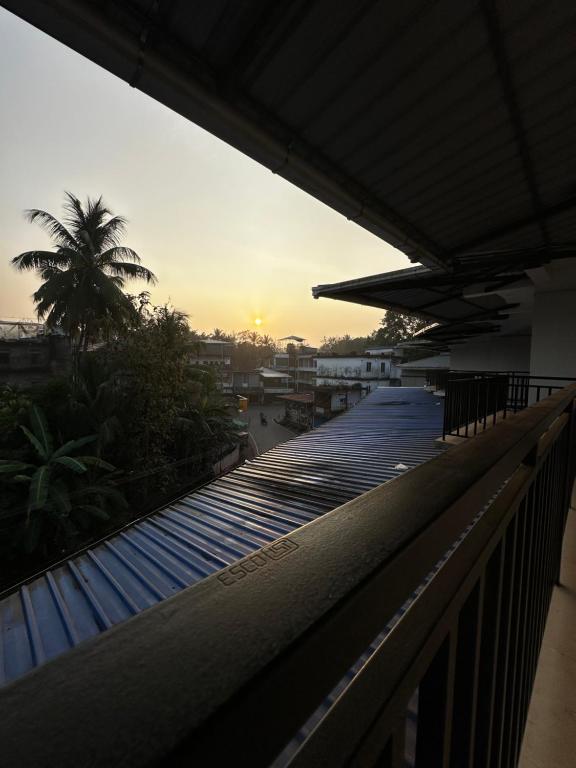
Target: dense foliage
{"x": 394, "y": 328}
{"x": 132, "y": 425}
{"x": 135, "y": 426}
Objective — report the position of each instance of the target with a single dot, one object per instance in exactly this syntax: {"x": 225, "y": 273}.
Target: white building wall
{"x": 553, "y": 349}
{"x": 354, "y": 367}
{"x": 499, "y": 353}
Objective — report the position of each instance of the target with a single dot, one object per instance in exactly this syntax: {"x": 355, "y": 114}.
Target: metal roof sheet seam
{"x": 211, "y": 528}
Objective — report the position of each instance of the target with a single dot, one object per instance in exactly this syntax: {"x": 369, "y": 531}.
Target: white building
{"x": 370, "y": 370}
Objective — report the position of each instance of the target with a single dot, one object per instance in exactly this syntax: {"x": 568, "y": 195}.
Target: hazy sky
{"x": 228, "y": 240}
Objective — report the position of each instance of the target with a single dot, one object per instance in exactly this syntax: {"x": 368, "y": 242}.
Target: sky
{"x": 229, "y": 241}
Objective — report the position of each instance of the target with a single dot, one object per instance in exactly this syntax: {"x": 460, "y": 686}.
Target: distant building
{"x": 420, "y": 373}
{"x": 218, "y": 355}
{"x": 13, "y": 330}
{"x": 26, "y": 361}
{"x": 306, "y": 369}
{"x": 309, "y": 409}
{"x": 298, "y": 360}
{"x": 262, "y": 384}
{"x": 369, "y": 370}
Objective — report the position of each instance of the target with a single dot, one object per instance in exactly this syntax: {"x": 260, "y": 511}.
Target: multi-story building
{"x": 373, "y": 369}
{"x": 216, "y": 354}
{"x": 262, "y": 384}
{"x": 305, "y": 370}
{"x": 311, "y": 369}
{"x": 298, "y": 359}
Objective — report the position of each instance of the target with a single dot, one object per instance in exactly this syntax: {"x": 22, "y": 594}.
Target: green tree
{"x": 396, "y": 327}
{"x": 251, "y": 350}
{"x": 168, "y": 407}
{"x": 84, "y": 276}
{"x": 344, "y": 345}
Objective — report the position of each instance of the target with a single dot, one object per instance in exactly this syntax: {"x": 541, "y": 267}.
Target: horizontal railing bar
{"x": 551, "y": 435}
{"x": 238, "y": 642}
{"x": 515, "y": 374}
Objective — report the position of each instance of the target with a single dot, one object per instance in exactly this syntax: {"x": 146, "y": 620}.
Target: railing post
{"x": 435, "y": 707}
{"x": 491, "y": 628}
{"x": 466, "y": 676}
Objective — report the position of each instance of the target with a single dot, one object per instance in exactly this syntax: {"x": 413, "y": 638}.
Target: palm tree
{"x": 85, "y": 274}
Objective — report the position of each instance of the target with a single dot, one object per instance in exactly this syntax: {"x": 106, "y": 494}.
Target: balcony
{"x": 402, "y": 627}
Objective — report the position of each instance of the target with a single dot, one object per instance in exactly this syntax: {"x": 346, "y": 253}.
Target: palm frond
{"x": 132, "y": 271}
{"x": 118, "y": 252}
{"x": 46, "y": 273}
{"x": 55, "y": 228}
{"x": 75, "y": 217}
{"x": 37, "y": 260}
{"x": 112, "y": 231}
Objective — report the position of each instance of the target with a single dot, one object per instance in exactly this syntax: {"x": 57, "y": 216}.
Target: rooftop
{"x": 216, "y": 526}
{"x": 270, "y": 373}
{"x": 306, "y": 397}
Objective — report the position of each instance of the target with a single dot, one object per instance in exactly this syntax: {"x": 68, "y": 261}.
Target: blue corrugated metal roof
{"x": 213, "y": 527}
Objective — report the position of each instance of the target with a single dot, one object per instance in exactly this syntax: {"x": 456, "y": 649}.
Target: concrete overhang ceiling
{"x": 481, "y": 294}
{"x": 446, "y": 128}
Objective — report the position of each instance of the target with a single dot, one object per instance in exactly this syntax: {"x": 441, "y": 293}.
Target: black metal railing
{"x": 475, "y": 400}
{"x": 437, "y": 380}
{"x": 451, "y": 567}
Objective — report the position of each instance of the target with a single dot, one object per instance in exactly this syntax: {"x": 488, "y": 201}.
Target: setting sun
{"x": 258, "y": 321}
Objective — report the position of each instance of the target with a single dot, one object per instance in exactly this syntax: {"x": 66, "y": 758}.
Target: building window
{"x": 368, "y": 367}
{"x": 382, "y": 367}
{"x": 4, "y": 358}
{"x": 34, "y": 358}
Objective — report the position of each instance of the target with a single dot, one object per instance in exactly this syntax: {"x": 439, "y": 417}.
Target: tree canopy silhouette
{"x": 84, "y": 276}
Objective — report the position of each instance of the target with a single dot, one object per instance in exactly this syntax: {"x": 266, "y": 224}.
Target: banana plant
{"x": 54, "y": 484}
